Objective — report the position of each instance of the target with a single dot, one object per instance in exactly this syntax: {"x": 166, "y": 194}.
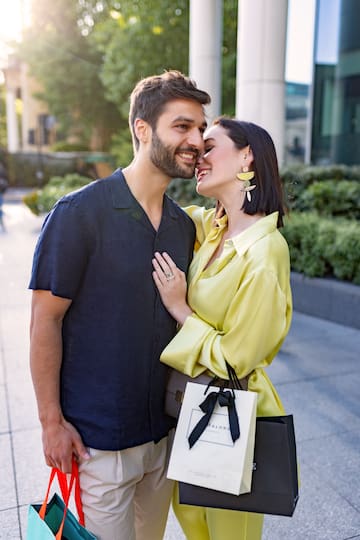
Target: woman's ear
{"x": 142, "y": 130}
{"x": 251, "y": 156}
{"x": 248, "y": 156}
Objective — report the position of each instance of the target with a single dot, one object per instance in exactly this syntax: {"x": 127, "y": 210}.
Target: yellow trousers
{"x": 200, "y": 523}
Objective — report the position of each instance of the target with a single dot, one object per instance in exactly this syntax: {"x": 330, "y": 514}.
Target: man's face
{"x": 177, "y": 139}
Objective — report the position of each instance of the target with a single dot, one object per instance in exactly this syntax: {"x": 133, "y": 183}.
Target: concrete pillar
{"x": 11, "y": 121}
{"x": 260, "y": 81}
{"x": 25, "y": 123}
{"x": 205, "y": 44}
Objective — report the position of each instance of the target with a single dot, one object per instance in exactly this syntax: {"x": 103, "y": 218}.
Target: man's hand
{"x": 60, "y": 442}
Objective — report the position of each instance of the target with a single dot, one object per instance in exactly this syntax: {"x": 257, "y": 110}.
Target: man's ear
{"x": 142, "y": 130}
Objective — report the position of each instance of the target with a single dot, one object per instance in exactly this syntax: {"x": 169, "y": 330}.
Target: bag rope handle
{"x": 225, "y": 398}
{"x": 66, "y": 490}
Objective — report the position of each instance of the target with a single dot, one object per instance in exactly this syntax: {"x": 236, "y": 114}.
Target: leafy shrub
{"x": 68, "y": 183}
{"x": 32, "y": 169}
{"x": 322, "y": 247}
{"x": 344, "y": 253}
{"x": 333, "y": 198}
{"x": 64, "y": 146}
{"x": 298, "y": 178}
{"x": 42, "y": 200}
{"x": 31, "y": 201}
{"x": 306, "y": 235}
{"x": 121, "y": 147}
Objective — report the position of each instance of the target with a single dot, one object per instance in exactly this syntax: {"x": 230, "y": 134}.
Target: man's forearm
{"x": 60, "y": 438}
{"x": 45, "y": 365}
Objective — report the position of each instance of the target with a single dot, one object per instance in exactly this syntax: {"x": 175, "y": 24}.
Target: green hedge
{"x": 321, "y": 247}
{"x": 301, "y": 192}
{"x": 304, "y": 175}
{"x": 23, "y": 168}
{"x": 330, "y": 191}
{"x": 42, "y": 200}
{"x": 339, "y": 198}
{"x": 64, "y": 146}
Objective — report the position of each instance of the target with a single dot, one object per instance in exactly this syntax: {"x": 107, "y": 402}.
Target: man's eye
{"x": 182, "y": 126}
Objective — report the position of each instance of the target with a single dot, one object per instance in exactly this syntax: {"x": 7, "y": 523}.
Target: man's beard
{"x": 163, "y": 157}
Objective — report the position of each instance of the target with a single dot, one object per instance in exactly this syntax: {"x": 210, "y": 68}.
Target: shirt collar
{"x": 123, "y": 198}
{"x": 255, "y": 232}
{"x": 120, "y": 192}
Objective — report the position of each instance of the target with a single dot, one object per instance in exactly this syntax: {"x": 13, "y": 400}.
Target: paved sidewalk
{"x": 317, "y": 374}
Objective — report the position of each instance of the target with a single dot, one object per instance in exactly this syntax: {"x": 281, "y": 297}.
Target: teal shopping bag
{"x": 53, "y": 520}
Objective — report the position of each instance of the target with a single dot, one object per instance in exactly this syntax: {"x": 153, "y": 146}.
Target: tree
{"x": 67, "y": 64}
{"x": 143, "y": 37}
{"x": 135, "y": 39}
{"x": 138, "y": 39}
{"x": 229, "y": 56}
{"x": 89, "y": 54}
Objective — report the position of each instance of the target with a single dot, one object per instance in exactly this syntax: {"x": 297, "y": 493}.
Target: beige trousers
{"x": 125, "y": 494}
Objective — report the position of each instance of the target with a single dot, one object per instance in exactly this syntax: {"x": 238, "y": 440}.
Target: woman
{"x": 238, "y": 304}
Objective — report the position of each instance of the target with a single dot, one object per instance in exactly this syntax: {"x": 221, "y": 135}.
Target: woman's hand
{"x": 172, "y": 287}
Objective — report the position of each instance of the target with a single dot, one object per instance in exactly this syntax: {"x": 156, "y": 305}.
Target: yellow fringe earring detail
{"x": 245, "y": 176}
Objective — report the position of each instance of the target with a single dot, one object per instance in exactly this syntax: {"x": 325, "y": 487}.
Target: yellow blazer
{"x": 242, "y": 305}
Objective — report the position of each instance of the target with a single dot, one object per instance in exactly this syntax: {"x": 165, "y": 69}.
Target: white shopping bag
{"x": 214, "y": 461}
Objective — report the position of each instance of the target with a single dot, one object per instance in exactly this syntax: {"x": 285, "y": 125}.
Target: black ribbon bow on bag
{"x": 226, "y": 398}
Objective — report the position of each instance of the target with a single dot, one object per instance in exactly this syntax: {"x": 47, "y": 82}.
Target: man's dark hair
{"x": 150, "y": 96}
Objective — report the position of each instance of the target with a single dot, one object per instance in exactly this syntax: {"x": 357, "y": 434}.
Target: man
{"x": 98, "y": 325}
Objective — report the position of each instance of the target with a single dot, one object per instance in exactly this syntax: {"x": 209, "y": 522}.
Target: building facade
{"x": 335, "y": 136}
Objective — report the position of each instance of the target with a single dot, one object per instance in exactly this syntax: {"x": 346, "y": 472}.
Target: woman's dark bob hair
{"x": 268, "y": 196}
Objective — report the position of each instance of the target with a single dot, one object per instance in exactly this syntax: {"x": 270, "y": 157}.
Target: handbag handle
{"x": 225, "y": 398}
{"x": 66, "y": 490}
{"x": 234, "y": 379}
{"x": 234, "y": 382}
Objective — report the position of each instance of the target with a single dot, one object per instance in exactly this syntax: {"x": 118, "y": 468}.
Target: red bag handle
{"x": 65, "y": 492}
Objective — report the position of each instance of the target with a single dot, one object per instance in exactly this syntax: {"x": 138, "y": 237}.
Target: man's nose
{"x": 195, "y": 139}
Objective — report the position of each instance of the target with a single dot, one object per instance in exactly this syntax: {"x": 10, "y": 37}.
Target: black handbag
{"x": 274, "y": 487}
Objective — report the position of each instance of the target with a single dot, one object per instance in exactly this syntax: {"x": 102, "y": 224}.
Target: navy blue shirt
{"x": 95, "y": 248}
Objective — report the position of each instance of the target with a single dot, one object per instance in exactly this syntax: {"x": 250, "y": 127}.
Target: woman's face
{"x": 216, "y": 170}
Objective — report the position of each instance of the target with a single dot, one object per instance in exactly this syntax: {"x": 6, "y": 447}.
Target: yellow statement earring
{"x": 245, "y": 176}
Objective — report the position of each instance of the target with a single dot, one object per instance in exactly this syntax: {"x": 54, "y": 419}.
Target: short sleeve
{"x": 62, "y": 251}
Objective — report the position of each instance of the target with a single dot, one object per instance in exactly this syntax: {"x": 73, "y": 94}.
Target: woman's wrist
{"x": 181, "y": 314}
